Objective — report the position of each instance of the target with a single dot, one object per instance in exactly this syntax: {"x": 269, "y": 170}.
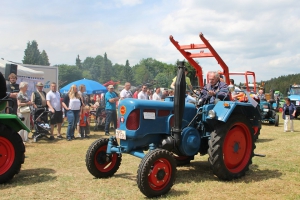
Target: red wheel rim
{"x": 160, "y": 174}
{"x": 237, "y": 148}
{"x": 107, "y": 165}
{"x": 7, "y": 155}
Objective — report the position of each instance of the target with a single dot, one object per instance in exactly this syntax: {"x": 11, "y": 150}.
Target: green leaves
{"x": 33, "y": 56}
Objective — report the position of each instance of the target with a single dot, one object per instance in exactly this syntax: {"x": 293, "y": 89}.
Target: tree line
{"x": 281, "y": 83}
{"x": 148, "y": 71}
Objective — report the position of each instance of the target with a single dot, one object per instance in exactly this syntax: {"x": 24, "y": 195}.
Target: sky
{"x": 255, "y": 35}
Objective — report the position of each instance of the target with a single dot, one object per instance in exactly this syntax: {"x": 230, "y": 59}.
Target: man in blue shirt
{"x": 110, "y": 108}
{"x": 215, "y": 88}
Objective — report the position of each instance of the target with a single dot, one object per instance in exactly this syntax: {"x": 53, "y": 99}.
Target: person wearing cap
{"x": 38, "y": 98}
{"x": 110, "y": 108}
{"x": 187, "y": 80}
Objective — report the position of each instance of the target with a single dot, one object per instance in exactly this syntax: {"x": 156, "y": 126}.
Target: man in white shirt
{"x": 126, "y": 93}
{"x": 143, "y": 94}
{"x": 156, "y": 95}
{"x": 54, "y": 105}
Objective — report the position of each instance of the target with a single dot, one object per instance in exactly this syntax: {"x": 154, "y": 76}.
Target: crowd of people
{"x": 75, "y": 106}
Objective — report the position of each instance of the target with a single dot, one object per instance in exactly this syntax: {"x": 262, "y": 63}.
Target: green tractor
{"x": 12, "y": 148}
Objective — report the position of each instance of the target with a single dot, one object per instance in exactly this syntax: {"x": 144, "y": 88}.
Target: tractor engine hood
{"x": 294, "y": 97}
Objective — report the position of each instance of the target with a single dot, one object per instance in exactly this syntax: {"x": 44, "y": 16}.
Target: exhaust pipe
{"x": 179, "y": 103}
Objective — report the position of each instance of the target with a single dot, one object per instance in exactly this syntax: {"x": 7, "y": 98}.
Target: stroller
{"x": 41, "y": 126}
{"x": 100, "y": 116}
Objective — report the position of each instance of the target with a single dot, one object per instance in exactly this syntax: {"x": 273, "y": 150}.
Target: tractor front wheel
{"x": 156, "y": 173}
{"x": 231, "y": 148}
{"x": 12, "y": 153}
{"x": 98, "y": 163}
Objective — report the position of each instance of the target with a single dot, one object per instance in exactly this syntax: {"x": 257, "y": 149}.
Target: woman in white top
{"x": 23, "y": 101}
{"x": 72, "y": 104}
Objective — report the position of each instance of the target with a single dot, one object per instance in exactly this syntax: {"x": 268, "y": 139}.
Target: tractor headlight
{"x": 266, "y": 110}
{"x": 211, "y": 113}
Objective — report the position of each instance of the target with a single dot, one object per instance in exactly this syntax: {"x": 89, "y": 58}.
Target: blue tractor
{"x": 294, "y": 95}
{"x": 268, "y": 113}
{"x": 164, "y": 133}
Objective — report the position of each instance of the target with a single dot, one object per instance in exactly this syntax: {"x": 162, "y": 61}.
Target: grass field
{"x": 56, "y": 170}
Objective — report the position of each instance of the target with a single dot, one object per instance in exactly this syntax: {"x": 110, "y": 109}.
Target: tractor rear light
{"x": 133, "y": 120}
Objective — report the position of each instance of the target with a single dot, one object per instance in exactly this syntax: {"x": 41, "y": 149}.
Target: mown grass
{"x": 56, "y": 170}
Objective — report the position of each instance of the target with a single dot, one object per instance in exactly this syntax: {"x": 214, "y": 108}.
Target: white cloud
{"x": 262, "y": 36}
{"x": 130, "y": 2}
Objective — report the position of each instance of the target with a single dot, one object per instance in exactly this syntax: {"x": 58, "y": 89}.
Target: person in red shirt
{"x": 84, "y": 122}
{"x": 135, "y": 95}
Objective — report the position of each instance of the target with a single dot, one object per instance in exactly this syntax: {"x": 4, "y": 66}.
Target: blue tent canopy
{"x": 92, "y": 87}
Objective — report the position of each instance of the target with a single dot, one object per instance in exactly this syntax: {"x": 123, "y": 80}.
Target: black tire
{"x": 98, "y": 163}
{"x": 156, "y": 173}
{"x": 231, "y": 148}
{"x": 12, "y": 153}
{"x": 276, "y": 120}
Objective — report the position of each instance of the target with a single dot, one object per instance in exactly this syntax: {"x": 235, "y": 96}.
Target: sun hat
{"x": 39, "y": 84}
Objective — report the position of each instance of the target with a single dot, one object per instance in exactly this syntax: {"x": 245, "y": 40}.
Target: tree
{"x": 68, "y": 74}
{"x": 78, "y": 62}
{"x": 118, "y": 70}
{"x": 88, "y": 63}
{"x": 141, "y": 74}
{"x": 105, "y": 70}
{"x": 127, "y": 73}
{"x": 44, "y": 60}
{"x": 162, "y": 80}
{"x": 95, "y": 70}
{"x": 32, "y": 54}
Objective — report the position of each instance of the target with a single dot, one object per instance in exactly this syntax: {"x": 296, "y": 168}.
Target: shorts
{"x": 56, "y": 118}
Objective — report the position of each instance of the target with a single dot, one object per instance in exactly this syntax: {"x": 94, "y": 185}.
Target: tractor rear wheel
{"x": 98, "y": 163}
{"x": 231, "y": 148}
{"x": 12, "y": 153}
{"x": 156, "y": 173}
{"x": 256, "y": 136}
{"x": 276, "y": 120}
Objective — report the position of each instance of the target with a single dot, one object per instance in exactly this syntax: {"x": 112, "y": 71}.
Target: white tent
{"x": 24, "y": 74}
{"x": 22, "y": 71}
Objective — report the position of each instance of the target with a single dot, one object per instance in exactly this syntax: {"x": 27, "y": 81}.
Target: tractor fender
{"x": 13, "y": 121}
{"x": 224, "y": 109}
